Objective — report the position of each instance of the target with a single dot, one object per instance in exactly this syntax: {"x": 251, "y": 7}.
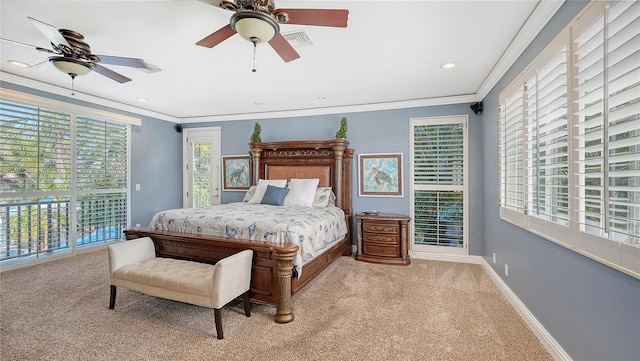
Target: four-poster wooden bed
{"x": 272, "y": 281}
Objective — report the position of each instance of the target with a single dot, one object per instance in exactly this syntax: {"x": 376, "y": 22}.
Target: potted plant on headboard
{"x": 255, "y": 137}
{"x": 342, "y": 132}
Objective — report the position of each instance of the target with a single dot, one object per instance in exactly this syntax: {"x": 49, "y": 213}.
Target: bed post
{"x": 255, "y": 163}
{"x": 338, "y": 146}
{"x": 284, "y": 313}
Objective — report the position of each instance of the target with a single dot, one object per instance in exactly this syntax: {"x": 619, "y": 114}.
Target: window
{"x": 438, "y": 171}
{"x": 64, "y": 177}
{"x": 578, "y": 106}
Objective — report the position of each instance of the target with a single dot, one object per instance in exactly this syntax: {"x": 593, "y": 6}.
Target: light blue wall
{"x": 369, "y": 132}
{"x": 592, "y": 310}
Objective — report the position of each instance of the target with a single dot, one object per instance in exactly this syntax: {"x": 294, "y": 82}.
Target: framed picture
{"x": 380, "y": 175}
{"x": 236, "y": 172}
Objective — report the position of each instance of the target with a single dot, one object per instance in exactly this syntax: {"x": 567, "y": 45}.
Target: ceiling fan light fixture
{"x": 71, "y": 66}
{"x": 254, "y": 26}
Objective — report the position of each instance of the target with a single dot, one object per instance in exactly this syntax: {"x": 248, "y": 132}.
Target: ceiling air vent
{"x": 298, "y": 39}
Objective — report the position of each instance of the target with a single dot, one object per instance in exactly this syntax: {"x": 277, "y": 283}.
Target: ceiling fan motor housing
{"x": 254, "y": 26}
{"x": 265, "y": 6}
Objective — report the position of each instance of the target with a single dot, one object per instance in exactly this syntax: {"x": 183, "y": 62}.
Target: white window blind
{"x": 438, "y": 171}
{"x": 547, "y": 140}
{"x": 608, "y": 129}
{"x": 580, "y": 102}
{"x": 63, "y": 180}
{"x": 101, "y": 178}
{"x": 511, "y": 148}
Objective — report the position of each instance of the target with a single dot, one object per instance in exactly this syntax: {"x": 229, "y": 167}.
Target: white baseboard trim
{"x": 552, "y": 346}
{"x": 446, "y": 257}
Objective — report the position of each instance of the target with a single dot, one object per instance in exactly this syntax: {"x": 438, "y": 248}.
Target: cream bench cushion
{"x": 178, "y": 280}
{"x": 133, "y": 265}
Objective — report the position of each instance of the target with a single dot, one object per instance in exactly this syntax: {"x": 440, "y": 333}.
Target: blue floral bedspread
{"x": 313, "y": 230}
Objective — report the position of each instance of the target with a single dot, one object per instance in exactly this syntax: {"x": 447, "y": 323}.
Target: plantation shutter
{"x": 35, "y": 153}
{"x": 608, "y": 128}
{"x": 438, "y": 182}
{"x": 511, "y": 151}
{"x": 101, "y": 178}
{"x": 547, "y": 140}
{"x": 35, "y": 148}
{"x": 63, "y": 176}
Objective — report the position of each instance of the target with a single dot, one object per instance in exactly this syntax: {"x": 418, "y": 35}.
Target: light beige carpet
{"x": 353, "y": 311}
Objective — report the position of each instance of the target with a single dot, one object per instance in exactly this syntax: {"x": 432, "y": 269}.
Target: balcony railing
{"x": 40, "y": 228}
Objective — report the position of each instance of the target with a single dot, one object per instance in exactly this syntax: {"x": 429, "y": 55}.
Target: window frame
{"x": 619, "y": 255}
{"x": 75, "y": 112}
{"x": 463, "y": 120}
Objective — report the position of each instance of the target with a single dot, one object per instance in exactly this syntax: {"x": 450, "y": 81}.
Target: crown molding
{"x": 542, "y": 14}
{"x": 64, "y": 92}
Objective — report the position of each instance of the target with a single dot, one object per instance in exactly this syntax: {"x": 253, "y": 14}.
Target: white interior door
{"x": 201, "y": 167}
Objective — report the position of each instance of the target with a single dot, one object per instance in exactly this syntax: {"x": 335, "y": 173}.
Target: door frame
{"x": 444, "y": 250}
{"x": 187, "y": 180}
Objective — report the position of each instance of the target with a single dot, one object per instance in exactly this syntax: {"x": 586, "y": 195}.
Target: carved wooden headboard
{"x": 330, "y": 161}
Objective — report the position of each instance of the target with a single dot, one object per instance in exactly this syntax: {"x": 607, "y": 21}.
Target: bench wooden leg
{"x": 112, "y": 300}
{"x": 217, "y": 312}
{"x": 247, "y": 304}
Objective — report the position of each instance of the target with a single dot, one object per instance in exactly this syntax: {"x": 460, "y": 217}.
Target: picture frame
{"x": 236, "y": 172}
{"x": 380, "y": 175}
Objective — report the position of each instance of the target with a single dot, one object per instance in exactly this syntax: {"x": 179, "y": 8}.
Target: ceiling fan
{"x": 72, "y": 55}
{"x": 258, "y": 22}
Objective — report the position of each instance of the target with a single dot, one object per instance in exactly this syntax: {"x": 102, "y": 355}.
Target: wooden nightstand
{"x": 383, "y": 238}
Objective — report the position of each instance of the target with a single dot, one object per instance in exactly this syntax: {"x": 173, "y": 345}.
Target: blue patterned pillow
{"x": 274, "y": 195}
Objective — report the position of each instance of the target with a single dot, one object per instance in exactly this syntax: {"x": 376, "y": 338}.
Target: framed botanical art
{"x": 380, "y": 175}
{"x": 236, "y": 172}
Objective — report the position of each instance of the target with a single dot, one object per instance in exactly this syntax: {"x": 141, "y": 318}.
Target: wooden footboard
{"x": 271, "y": 280}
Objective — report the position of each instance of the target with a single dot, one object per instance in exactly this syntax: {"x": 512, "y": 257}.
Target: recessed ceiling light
{"x": 18, "y": 63}
{"x": 142, "y": 100}
{"x": 448, "y": 65}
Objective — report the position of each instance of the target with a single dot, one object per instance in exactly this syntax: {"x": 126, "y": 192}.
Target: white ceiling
{"x": 389, "y": 56}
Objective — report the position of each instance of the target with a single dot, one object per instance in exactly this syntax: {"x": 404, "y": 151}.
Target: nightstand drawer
{"x": 384, "y": 238}
{"x": 381, "y": 250}
{"x": 381, "y": 227}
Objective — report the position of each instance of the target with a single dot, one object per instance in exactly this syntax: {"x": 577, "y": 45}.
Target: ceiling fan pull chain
{"x": 73, "y": 78}
{"x": 255, "y": 43}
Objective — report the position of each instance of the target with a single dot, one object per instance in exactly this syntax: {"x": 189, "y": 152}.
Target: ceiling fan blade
{"x": 50, "y": 31}
{"x": 318, "y": 17}
{"x": 217, "y": 37}
{"x": 29, "y": 45}
{"x": 111, "y": 74}
{"x": 118, "y": 60}
{"x": 283, "y": 48}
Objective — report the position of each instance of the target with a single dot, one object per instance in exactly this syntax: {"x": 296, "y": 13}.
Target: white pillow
{"x": 249, "y": 194}
{"x": 322, "y": 197}
{"x": 261, "y": 187}
{"x": 301, "y": 192}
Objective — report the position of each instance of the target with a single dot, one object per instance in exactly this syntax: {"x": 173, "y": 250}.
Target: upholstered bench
{"x": 133, "y": 265}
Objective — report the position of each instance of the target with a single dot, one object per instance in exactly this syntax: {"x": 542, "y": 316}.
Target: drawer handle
{"x": 381, "y": 238}
{"x": 382, "y": 228}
